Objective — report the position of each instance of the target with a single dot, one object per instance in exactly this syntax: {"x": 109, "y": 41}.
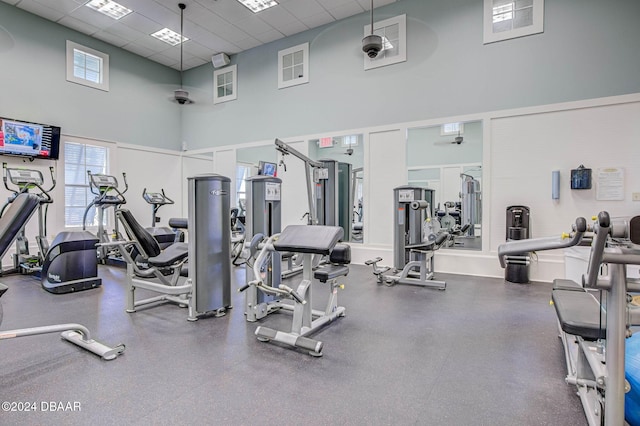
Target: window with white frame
{"x": 293, "y": 66}
{"x": 78, "y": 158}
{"x": 394, "y": 42}
{"x": 87, "y": 66}
{"x": 452, "y": 129}
{"x": 506, "y": 19}
{"x": 225, "y": 84}
{"x": 350, "y": 140}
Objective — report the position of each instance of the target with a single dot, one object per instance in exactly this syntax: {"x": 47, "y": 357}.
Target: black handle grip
{"x": 243, "y": 288}
{"x": 372, "y": 261}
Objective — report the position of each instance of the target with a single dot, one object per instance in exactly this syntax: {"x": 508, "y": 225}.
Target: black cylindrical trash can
{"x": 517, "y": 268}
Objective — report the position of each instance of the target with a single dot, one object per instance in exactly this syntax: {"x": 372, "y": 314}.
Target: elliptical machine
{"x": 26, "y": 180}
{"x": 105, "y": 188}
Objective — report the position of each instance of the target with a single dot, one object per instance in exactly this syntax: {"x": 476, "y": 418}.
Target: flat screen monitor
{"x": 33, "y": 140}
{"x": 267, "y": 169}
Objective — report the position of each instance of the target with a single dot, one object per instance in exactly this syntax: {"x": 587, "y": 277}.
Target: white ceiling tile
{"x": 152, "y": 43}
{"x": 64, "y": 6}
{"x": 303, "y": 8}
{"x": 194, "y": 62}
{"x": 253, "y": 26}
{"x": 40, "y": 10}
{"x": 78, "y": 25}
{"x": 164, "y": 60}
{"x": 248, "y": 43}
{"x": 125, "y": 32}
{"x": 110, "y": 38}
{"x": 92, "y": 17}
{"x": 277, "y": 17}
{"x": 317, "y": 20}
{"x": 158, "y": 13}
{"x": 346, "y": 10}
{"x": 231, "y": 33}
{"x": 332, "y": 4}
{"x": 270, "y": 36}
{"x": 196, "y": 49}
{"x": 139, "y": 50}
{"x": 141, "y": 23}
{"x": 293, "y": 28}
{"x": 232, "y": 10}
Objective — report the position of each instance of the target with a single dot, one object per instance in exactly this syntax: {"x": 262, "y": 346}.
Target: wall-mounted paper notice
{"x": 610, "y": 184}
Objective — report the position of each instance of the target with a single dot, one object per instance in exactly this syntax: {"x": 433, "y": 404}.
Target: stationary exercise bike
{"x": 26, "y": 180}
{"x": 105, "y": 188}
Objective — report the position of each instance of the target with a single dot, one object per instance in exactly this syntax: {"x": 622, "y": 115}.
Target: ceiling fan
{"x": 181, "y": 96}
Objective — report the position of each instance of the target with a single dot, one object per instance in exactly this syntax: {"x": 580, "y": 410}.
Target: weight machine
{"x": 416, "y": 237}
{"x": 594, "y": 334}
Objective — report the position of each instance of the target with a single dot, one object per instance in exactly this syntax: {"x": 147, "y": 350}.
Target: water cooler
{"x": 517, "y": 228}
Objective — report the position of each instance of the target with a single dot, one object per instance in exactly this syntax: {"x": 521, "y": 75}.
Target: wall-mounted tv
{"x": 27, "y": 139}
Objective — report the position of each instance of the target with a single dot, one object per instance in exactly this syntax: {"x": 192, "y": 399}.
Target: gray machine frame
{"x": 209, "y": 228}
{"x": 263, "y": 220}
{"x": 311, "y": 241}
{"x": 413, "y": 256}
{"x": 595, "y": 365}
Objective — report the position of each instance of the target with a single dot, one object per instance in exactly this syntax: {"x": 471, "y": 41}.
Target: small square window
{"x": 455, "y": 129}
{"x": 293, "y": 66}
{"x": 394, "y": 42}
{"x": 87, "y": 66}
{"x": 506, "y": 19}
{"x": 225, "y": 82}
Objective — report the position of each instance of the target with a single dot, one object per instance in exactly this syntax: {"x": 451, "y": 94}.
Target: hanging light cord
{"x": 182, "y": 6}
{"x": 371, "y": 17}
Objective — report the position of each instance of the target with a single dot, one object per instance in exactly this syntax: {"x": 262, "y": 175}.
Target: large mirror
{"x": 343, "y": 202}
{"x": 448, "y": 159}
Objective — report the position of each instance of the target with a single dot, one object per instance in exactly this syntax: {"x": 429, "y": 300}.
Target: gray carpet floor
{"x": 483, "y": 352}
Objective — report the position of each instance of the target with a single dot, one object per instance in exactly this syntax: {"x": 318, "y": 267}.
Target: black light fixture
{"x": 372, "y": 44}
{"x": 181, "y": 96}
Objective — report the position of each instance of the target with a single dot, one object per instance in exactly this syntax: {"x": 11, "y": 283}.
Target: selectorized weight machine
{"x": 415, "y": 239}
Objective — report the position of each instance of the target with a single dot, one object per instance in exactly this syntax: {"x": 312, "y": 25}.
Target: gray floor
{"x": 483, "y": 352}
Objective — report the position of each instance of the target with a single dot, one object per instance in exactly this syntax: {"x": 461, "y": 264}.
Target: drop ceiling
{"x": 212, "y": 26}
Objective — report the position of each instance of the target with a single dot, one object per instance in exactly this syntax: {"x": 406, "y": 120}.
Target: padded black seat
{"x": 330, "y": 272}
{"x": 340, "y": 257}
{"x": 170, "y": 255}
{"x": 579, "y": 314}
{"x": 563, "y": 284}
{"x": 314, "y": 239}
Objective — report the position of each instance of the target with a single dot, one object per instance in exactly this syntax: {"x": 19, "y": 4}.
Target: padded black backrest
{"x": 341, "y": 254}
{"x": 147, "y": 244}
{"x": 15, "y": 217}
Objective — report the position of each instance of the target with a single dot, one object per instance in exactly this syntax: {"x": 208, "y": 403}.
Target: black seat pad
{"x": 579, "y": 314}
{"x": 313, "y": 239}
{"x": 330, "y": 272}
{"x": 563, "y": 284}
{"x": 172, "y": 254}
